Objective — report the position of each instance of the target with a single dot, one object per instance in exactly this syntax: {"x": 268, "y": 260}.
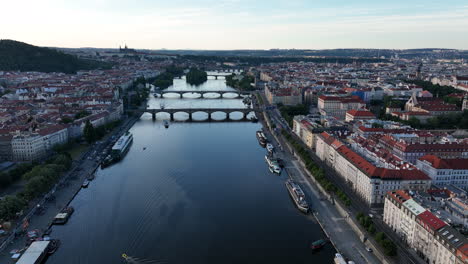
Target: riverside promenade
{"x": 335, "y": 224}
{"x": 65, "y": 192}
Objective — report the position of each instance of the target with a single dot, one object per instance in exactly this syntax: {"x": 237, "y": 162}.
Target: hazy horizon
{"x": 238, "y": 24}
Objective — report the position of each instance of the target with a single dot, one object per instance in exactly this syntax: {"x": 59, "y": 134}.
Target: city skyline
{"x": 238, "y": 24}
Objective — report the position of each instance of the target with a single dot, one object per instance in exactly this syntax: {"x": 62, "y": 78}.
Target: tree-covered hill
{"x": 19, "y": 56}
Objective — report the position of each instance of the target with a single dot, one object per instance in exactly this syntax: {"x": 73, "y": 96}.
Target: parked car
{"x": 368, "y": 249}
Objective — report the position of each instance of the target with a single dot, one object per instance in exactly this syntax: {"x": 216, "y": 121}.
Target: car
{"x": 368, "y": 249}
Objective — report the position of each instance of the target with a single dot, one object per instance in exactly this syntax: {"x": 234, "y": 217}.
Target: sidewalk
{"x": 64, "y": 194}
{"x": 342, "y": 236}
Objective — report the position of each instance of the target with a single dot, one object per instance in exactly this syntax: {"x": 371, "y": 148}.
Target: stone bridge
{"x": 201, "y": 93}
{"x": 209, "y": 111}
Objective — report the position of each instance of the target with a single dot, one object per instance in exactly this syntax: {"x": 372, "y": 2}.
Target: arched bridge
{"x": 209, "y": 111}
{"x": 202, "y": 93}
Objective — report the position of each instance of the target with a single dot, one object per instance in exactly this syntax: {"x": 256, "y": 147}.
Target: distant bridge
{"x": 201, "y": 93}
{"x": 209, "y": 111}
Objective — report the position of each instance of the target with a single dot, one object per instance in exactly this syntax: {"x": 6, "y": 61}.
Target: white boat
{"x": 298, "y": 195}
{"x": 270, "y": 147}
{"x": 122, "y": 146}
{"x": 339, "y": 259}
{"x": 273, "y": 164}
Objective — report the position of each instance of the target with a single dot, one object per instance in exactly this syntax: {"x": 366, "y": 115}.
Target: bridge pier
{"x": 216, "y": 77}
{"x": 244, "y": 116}
{"x": 202, "y": 95}
{"x": 153, "y": 115}
{"x": 209, "y": 117}
{"x": 172, "y": 116}
{"x": 181, "y": 95}
{"x": 190, "y": 117}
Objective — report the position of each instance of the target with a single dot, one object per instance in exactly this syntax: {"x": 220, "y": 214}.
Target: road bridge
{"x": 209, "y": 111}
{"x": 201, "y": 93}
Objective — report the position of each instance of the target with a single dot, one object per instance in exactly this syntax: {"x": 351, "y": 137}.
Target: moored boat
{"x": 85, "y": 184}
{"x": 273, "y": 165}
{"x": 270, "y": 147}
{"x": 121, "y": 147}
{"x": 62, "y": 217}
{"x": 297, "y": 195}
{"x": 318, "y": 244}
{"x": 262, "y": 140}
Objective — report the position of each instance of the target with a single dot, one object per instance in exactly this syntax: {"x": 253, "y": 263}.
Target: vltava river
{"x": 199, "y": 193}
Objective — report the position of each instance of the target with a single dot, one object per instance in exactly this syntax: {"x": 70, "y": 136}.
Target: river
{"x": 199, "y": 193}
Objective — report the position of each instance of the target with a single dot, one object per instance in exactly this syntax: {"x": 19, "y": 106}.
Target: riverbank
{"x": 67, "y": 188}
{"x": 331, "y": 216}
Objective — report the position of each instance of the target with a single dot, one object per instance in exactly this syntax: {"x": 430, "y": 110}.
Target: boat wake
{"x": 134, "y": 260}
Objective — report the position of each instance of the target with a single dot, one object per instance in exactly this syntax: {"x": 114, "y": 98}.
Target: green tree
{"x": 89, "y": 132}
{"x": 389, "y": 247}
{"x": 380, "y": 236}
{"x": 9, "y": 206}
{"x": 196, "y": 76}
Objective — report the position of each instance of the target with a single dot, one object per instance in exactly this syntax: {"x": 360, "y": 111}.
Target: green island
{"x": 196, "y": 76}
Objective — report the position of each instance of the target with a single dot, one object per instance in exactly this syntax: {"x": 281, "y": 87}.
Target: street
{"x": 341, "y": 234}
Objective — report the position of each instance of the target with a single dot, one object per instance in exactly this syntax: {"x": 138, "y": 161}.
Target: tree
{"x": 89, "y": 132}
{"x": 380, "y": 236}
{"x": 10, "y": 205}
{"x": 389, "y": 247}
{"x": 196, "y": 76}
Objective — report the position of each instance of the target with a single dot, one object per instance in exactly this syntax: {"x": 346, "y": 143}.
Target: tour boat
{"x": 121, "y": 147}
{"x": 297, "y": 195}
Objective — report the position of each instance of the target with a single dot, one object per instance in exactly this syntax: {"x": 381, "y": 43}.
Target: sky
{"x": 237, "y": 24}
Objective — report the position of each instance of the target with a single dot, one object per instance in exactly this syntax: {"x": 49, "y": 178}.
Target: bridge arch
{"x": 217, "y": 112}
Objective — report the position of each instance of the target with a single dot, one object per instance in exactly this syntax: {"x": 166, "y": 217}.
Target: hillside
{"x": 19, "y": 56}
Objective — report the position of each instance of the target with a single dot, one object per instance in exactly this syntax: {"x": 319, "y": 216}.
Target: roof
{"x": 430, "y": 220}
{"x": 438, "y": 163}
{"x": 414, "y": 207}
{"x": 33, "y": 252}
{"x": 399, "y": 196}
{"x": 360, "y": 113}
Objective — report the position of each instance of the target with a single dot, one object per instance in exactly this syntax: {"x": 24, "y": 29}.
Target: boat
{"x": 36, "y": 253}
{"x": 297, "y": 195}
{"x": 107, "y": 161}
{"x": 53, "y": 246}
{"x": 262, "y": 140}
{"x": 144, "y": 148}
{"x": 121, "y": 147}
{"x": 254, "y": 119}
{"x": 275, "y": 169}
{"x": 62, "y": 217}
{"x": 85, "y": 184}
{"x": 318, "y": 244}
{"x": 273, "y": 165}
{"x": 166, "y": 123}
{"x": 270, "y": 147}
{"x": 339, "y": 259}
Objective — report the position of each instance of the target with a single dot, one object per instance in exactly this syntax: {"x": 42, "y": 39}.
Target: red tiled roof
{"x": 354, "y": 112}
{"x": 399, "y": 196}
{"x": 438, "y": 163}
{"x": 431, "y": 221}
{"x": 372, "y": 171}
